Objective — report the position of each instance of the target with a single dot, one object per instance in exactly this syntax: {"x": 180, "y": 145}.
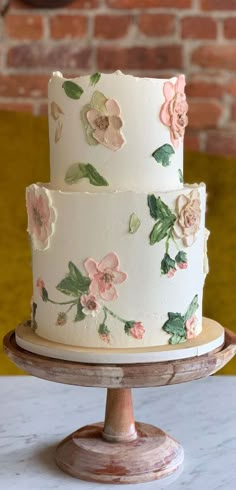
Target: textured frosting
{"x": 90, "y": 226}
{"x": 134, "y": 106}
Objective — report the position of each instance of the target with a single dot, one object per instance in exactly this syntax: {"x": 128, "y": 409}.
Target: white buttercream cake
{"x": 118, "y": 240}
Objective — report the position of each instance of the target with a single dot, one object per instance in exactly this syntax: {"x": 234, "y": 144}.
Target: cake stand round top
{"x": 122, "y": 375}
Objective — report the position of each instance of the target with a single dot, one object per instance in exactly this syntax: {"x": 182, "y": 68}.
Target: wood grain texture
{"x": 152, "y": 455}
{"x": 119, "y": 423}
{"x": 121, "y": 376}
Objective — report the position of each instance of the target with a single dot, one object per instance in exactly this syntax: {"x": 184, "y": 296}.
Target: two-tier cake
{"x": 118, "y": 240}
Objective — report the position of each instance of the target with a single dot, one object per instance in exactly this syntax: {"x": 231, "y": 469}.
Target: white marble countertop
{"x": 37, "y": 414}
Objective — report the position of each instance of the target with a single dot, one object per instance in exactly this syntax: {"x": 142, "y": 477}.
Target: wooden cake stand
{"x": 120, "y": 450}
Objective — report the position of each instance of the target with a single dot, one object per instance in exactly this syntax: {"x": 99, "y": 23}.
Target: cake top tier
{"x": 114, "y": 131}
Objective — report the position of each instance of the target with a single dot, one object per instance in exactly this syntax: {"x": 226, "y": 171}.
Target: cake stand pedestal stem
{"x": 119, "y": 423}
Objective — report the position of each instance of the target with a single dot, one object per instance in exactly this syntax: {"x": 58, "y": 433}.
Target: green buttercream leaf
{"x": 33, "y": 323}
{"x": 72, "y": 90}
{"x": 134, "y": 223}
{"x": 94, "y": 177}
{"x": 98, "y": 101}
{"x": 181, "y": 178}
{"x": 175, "y": 325}
{"x": 103, "y": 329}
{"x": 74, "y": 284}
{"x": 176, "y": 339}
{"x": 82, "y": 282}
{"x": 192, "y": 308}
{"x": 181, "y": 257}
{"x": 79, "y": 171}
{"x": 44, "y": 295}
{"x": 158, "y": 209}
{"x": 128, "y": 326}
{"x": 167, "y": 263}
{"x": 152, "y": 204}
{"x": 68, "y": 286}
{"x": 160, "y": 230}
{"x": 162, "y": 155}
{"x": 79, "y": 315}
{"x": 95, "y": 78}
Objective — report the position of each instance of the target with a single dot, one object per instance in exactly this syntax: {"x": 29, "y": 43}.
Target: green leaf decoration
{"x": 95, "y": 78}
{"x": 134, "y": 223}
{"x": 74, "y": 284}
{"x": 181, "y": 257}
{"x": 192, "y": 308}
{"x": 79, "y": 171}
{"x": 44, "y": 295}
{"x": 98, "y": 101}
{"x": 160, "y": 230}
{"x": 152, "y": 204}
{"x": 33, "y": 322}
{"x": 79, "y": 315}
{"x": 167, "y": 263}
{"x": 181, "y": 178}
{"x": 103, "y": 329}
{"x": 158, "y": 209}
{"x": 162, "y": 155}
{"x": 128, "y": 326}
{"x": 175, "y": 325}
{"x": 165, "y": 218}
{"x": 88, "y": 129}
{"x": 72, "y": 90}
{"x": 177, "y": 339}
{"x": 82, "y": 282}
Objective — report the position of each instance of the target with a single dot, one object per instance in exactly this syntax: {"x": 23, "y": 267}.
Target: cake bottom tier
{"x": 119, "y": 269}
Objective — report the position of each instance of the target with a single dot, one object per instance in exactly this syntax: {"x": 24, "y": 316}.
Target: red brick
{"x": 76, "y": 4}
{"x": 231, "y": 88}
{"x": 215, "y": 56}
{"x": 132, "y": 4}
{"x": 83, "y": 4}
{"x": 67, "y": 56}
{"x": 198, "y": 28}
{"x": 218, "y": 4}
{"x": 233, "y": 112}
{"x": 221, "y": 142}
{"x": 230, "y": 28}
{"x": 112, "y": 26}
{"x": 68, "y": 26}
{"x": 139, "y": 58}
{"x": 24, "y": 26}
{"x": 191, "y": 141}
{"x": 204, "y": 114}
{"x": 157, "y": 24}
{"x": 16, "y": 106}
{"x": 34, "y": 86}
{"x": 201, "y": 88}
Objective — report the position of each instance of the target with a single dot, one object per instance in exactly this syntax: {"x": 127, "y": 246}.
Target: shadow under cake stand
{"x": 120, "y": 450}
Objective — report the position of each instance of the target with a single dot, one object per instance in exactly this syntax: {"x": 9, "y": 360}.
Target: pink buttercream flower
{"x": 191, "y": 325}
{"x": 188, "y": 219}
{"x": 105, "y": 337}
{"x": 90, "y": 305}
{"x": 104, "y": 275}
{"x": 174, "y": 110}
{"x": 107, "y": 125}
{"x": 40, "y": 285}
{"x": 171, "y": 272}
{"x": 137, "y": 330}
{"x": 41, "y": 216}
{"x": 182, "y": 265}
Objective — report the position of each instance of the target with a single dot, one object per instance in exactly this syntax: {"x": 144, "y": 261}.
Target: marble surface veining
{"x": 37, "y": 414}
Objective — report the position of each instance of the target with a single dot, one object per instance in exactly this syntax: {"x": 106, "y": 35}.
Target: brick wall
{"x": 145, "y": 37}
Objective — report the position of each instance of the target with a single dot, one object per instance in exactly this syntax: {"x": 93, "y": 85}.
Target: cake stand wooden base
{"x": 120, "y": 450}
